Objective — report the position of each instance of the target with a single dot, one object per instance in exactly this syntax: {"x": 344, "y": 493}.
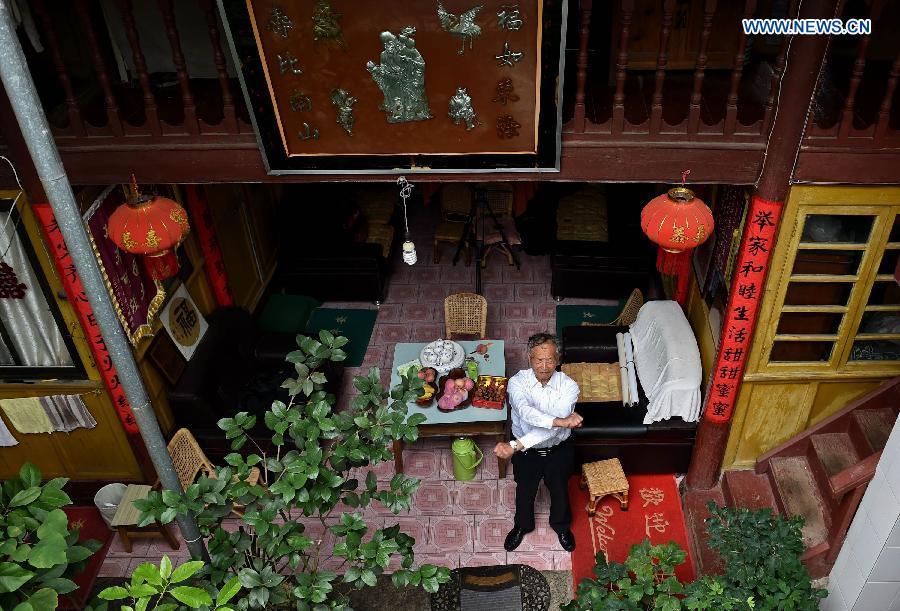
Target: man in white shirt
{"x": 542, "y": 401}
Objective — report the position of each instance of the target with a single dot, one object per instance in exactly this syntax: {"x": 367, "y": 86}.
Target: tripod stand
{"x": 481, "y": 206}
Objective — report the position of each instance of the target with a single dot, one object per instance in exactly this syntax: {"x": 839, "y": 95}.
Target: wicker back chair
{"x": 188, "y": 458}
{"x": 628, "y": 314}
{"x": 466, "y": 314}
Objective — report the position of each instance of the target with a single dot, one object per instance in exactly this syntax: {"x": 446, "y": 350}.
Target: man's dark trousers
{"x": 528, "y": 469}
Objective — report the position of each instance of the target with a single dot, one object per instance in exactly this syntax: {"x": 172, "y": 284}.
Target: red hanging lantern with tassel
{"x": 151, "y": 226}
{"x": 678, "y": 222}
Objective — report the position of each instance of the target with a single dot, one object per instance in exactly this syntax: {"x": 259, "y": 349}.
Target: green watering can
{"x": 466, "y": 457}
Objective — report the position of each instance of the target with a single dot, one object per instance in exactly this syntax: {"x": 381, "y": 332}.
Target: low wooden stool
{"x": 127, "y": 515}
{"x": 603, "y": 478}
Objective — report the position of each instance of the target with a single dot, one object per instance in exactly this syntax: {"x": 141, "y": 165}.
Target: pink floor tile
{"x": 496, "y": 293}
{"x": 448, "y": 559}
{"x": 402, "y": 293}
{"x": 492, "y": 274}
{"x": 507, "y": 495}
{"x": 517, "y": 312}
{"x": 513, "y": 275}
{"x": 115, "y": 566}
{"x": 432, "y": 498}
{"x": 531, "y": 293}
{"x": 541, "y": 562}
{"x": 546, "y": 312}
{"x": 389, "y": 313}
{"x": 428, "y": 332}
{"x": 482, "y": 559}
{"x": 139, "y": 547}
{"x": 432, "y": 293}
{"x": 562, "y": 561}
{"x": 375, "y": 356}
{"x": 452, "y": 534}
{"x": 527, "y": 329}
{"x": 476, "y": 497}
{"x": 390, "y": 334}
{"x": 423, "y": 464}
{"x": 542, "y": 538}
{"x": 491, "y": 531}
{"x": 414, "y": 312}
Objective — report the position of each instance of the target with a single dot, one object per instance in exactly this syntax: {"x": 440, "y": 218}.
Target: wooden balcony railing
{"x": 103, "y": 108}
{"x": 655, "y": 75}
{"x": 711, "y": 104}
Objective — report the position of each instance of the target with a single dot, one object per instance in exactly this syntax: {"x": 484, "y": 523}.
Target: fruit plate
{"x": 443, "y": 355}
{"x": 490, "y": 392}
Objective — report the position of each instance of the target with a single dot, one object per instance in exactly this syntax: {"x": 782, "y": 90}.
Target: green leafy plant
{"x": 761, "y": 554}
{"x": 709, "y": 593}
{"x": 38, "y": 552}
{"x": 646, "y": 581}
{"x": 156, "y": 588}
{"x": 309, "y": 474}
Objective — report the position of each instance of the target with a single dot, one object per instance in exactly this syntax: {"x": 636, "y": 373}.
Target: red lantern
{"x": 678, "y": 222}
{"x": 151, "y": 226}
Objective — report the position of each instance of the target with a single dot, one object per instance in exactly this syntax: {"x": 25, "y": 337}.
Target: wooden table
{"x": 469, "y": 421}
{"x": 127, "y": 516}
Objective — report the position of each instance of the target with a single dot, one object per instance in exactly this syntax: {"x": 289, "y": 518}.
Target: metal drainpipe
{"x": 36, "y": 132}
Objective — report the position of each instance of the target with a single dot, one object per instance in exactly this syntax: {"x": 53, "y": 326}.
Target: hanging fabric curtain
{"x": 30, "y": 327}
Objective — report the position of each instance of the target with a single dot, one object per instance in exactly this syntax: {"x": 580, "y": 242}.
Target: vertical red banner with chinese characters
{"x": 743, "y": 306}
{"x": 65, "y": 267}
{"x": 209, "y": 243}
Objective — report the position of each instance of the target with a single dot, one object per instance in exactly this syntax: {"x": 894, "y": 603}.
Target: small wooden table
{"x": 469, "y": 421}
{"x": 126, "y": 518}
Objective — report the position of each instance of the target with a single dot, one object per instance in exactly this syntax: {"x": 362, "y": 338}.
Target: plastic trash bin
{"x": 107, "y": 500}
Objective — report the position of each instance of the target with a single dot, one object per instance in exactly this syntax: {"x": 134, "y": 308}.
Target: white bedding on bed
{"x": 668, "y": 362}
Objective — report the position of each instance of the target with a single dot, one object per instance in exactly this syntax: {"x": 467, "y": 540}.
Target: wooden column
{"x": 709, "y": 12}
{"x": 662, "y": 59}
{"x": 805, "y": 59}
{"x": 618, "y": 113}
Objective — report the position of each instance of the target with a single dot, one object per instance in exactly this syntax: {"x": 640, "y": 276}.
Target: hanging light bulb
{"x": 409, "y": 249}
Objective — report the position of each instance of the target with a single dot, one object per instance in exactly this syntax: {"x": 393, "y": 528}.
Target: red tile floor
{"x": 454, "y": 523}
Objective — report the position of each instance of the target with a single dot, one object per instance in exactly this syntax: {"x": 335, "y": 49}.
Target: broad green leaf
{"x": 12, "y": 576}
{"x": 49, "y": 551}
{"x": 56, "y": 522}
{"x": 30, "y": 475}
{"x": 192, "y": 597}
{"x": 186, "y": 570}
{"x": 114, "y": 593}
{"x": 60, "y": 585}
{"x": 165, "y": 567}
{"x": 231, "y": 587}
{"x": 54, "y": 497}
{"x": 25, "y": 496}
{"x": 147, "y": 571}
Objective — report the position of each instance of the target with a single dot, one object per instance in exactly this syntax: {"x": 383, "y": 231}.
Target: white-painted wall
{"x": 866, "y": 575}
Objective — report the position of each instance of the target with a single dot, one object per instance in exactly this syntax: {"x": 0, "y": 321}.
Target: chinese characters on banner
{"x": 743, "y": 305}
{"x": 65, "y": 267}
{"x": 136, "y": 297}
{"x": 10, "y": 287}
{"x": 209, "y": 243}
{"x": 184, "y": 322}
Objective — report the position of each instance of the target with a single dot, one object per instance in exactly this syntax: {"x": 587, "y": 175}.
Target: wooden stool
{"x": 127, "y": 515}
{"x": 602, "y": 478}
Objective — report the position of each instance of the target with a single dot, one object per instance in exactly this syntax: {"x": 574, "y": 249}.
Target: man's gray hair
{"x": 538, "y": 339}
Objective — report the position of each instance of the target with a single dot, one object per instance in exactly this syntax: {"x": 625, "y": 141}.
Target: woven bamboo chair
{"x": 628, "y": 314}
{"x": 465, "y": 314}
{"x": 456, "y": 203}
{"x": 189, "y": 460}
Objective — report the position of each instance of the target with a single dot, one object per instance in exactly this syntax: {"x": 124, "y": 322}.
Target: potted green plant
{"x": 761, "y": 558}
{"x": 309, "y": 474}
{"x": 39, "y": 554}
{"x": 153, "y": 588}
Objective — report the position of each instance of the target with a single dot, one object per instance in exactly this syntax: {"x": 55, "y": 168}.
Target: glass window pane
{"x": 895, "y": 230}
{"x": 818, "y": 293}
{"x": 888, "y": 262}
{"x": 820, "y": 323}
{"x": 800, "y": 351}
{"x": 880, "y": 322}
{"x": 872, "y": 350}
{"x": 834, "y": 262}
{"x": 884, "y": 292}
{"x": 831, "y": 228}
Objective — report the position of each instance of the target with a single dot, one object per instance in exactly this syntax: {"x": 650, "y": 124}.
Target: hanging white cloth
{"x": 668, "y": 362}
{"x": 6, "y": 438}
{"x": 633, "y": 396}
{"x": 623, "y": 368}
{"x": 30, "y": 326}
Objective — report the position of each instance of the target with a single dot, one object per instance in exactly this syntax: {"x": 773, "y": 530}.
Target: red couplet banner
{"x": 75, "y": 292}
{"x": 743, "y": 306}
{"x": 209, "y": 243}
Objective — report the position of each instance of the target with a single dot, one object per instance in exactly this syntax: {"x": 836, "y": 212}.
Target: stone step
{"x": 876, "y": 425}
{"x": 744, "y": 488}
{"x": 799, "y": 495}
